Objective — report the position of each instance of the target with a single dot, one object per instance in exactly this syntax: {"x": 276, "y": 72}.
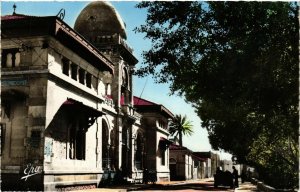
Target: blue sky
{"x": 133, "y": 17}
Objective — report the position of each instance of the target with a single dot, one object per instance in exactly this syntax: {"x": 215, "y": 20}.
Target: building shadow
{"x": 193, "y": 186}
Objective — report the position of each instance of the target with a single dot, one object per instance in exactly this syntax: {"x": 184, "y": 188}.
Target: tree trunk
{"x": 180, "y": 138}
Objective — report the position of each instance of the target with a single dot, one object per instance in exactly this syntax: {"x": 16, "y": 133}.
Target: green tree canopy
{"x": 180, "y": 126}
{"x": 237, "y": 63}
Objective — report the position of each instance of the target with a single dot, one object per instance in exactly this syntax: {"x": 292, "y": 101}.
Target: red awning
{"x": 162, "y": 139}
{"x": 164, "y": 143}
{"x": 177, "y": 147}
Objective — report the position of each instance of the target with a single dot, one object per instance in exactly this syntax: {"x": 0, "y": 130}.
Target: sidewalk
{"x": 246, "y": 187}
{"x": 243, "y": 187}
{"x": 135, "y": 187}
{"x": 103, "y": 190}
{"x": 184, "y": 181}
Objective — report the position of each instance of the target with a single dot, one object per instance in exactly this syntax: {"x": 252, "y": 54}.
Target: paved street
{"x": 186, "y": 186}
{"x": 179, "y": 186}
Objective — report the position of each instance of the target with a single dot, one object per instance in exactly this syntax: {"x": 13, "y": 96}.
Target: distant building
{"x": 226, "y": 165}
{"x": 155, "y": 121}
{"x": 201, "y": 165}
{"x": 212, "y": 161}
{"x": 186, "y": 164}
{"x": 181, "y": 163}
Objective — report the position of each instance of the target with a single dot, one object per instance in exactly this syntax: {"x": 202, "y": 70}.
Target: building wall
{"x": 195, "y": 172}
{"x": 215, "y": 162}
{"x": 154, "y": 131}
{"x": 227, "y": 165}
{"x": 162, "y": 164}
{"x": 151, "y": 148}
{"x": 183, "y": 166}
{"x": 61, "y": 146}
{"x": 23, "y": 97}
{"x": 44, "y": 88}
{"x": 208, "y": 172}
{"x": 138, "y": 149}
{"x": 188, "y": 166}
{"x": 212, "y": 161}
{"x": 59, "y": 89}
{"x": 202, "y": 170}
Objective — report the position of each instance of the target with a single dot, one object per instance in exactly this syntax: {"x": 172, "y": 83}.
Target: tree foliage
{"x": 237, "y": 63}
{"x": 180, "y": 126}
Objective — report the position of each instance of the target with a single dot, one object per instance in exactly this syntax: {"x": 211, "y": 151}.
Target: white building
{"x": 182, "y": 165}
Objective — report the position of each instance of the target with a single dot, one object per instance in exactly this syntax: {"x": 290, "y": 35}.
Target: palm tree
{"x": 180, "y": 126}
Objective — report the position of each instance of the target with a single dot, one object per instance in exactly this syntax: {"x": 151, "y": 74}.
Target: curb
{"x": 266, "y": 188}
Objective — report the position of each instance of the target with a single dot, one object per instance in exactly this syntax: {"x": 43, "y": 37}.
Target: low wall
{"x": 266, "y": 188}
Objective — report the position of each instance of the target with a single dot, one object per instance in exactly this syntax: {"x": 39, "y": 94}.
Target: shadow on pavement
{"x": 194, "y": 186}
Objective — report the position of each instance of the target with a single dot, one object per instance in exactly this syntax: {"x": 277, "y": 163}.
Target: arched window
{"x": 9, "y": 60}
{"x": 77, "y": 139}
{"x": 172, "y": 161}
{"x": 124, "y": 88}
{"x": 108, "y": 89}
{"x": 124, "y": 78}
{"x": 17, "y": 61}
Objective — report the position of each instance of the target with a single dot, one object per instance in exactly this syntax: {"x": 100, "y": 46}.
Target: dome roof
{"x": 98, "y": 19}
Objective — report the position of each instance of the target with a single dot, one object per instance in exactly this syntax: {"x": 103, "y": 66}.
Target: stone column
{"x": 131, "y": 149}
{"x": 36, "y": 119}
{"x": 119, "y": 143}
{"x": 116, "y": 81}
{"x": 99, "y": 143}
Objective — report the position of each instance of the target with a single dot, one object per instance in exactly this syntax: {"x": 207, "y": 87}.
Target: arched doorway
{"x": 173, "y": 172}
{"x": 139, "y": 152}
{"x": 125, "y": 150}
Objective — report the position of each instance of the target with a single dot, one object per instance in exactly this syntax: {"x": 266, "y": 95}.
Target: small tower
{"x": 101, "y": 24}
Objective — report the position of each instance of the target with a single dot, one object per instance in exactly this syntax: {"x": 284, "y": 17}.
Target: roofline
{"x": 199, "y": 158}
{"x": 207, "y": 154}
{"x": 54, "y": 26}
{"x": 183, "y": 148}
{"x": 161, "y": 107}
{"x": 145, "y": 100}
{"x": 84, "y": 42}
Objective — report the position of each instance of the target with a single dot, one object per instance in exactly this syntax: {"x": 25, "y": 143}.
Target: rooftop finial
{"x": 61, "y": 14}
{"x": 14, "y": 6}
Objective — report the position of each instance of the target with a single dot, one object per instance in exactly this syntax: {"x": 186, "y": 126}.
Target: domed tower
{"x": 100, "y": 23}
{"x": 102, "y": 26}
{"x": 99, "y": 19}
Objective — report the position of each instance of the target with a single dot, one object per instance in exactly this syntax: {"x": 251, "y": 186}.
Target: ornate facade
{"x": 68, "y": 115}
